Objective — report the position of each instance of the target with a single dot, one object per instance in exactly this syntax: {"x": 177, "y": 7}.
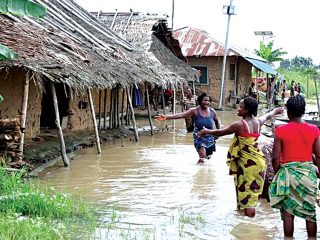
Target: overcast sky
{"x": 294, "y": 23}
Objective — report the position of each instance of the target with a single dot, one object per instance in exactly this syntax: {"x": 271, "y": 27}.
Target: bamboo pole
{"x": 149, "y": 109}
{"x": 105, "y": 110}
{"x": 24, "y": 114}
{"x": 60, "y": 134}
{"x": 133, "y": 117}
{"x": 69, "y": 21}
{"x": 94, "y": 120}
{"x": 99, "y": 124}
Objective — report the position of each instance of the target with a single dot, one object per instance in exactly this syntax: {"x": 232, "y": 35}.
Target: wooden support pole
{"x": 163, "y": 101}
{"x": 122, "y": 108}
{"x": 149, "y": 108}
{"x": 60, "y": 134}
{"x": 99, "y": 125}
{"x": 174, "y": 108}
{"x": 117, "y": 107}
{"x": 133, "y": 117}
{"x": 105, "y": 110}
{"x": 94, "y": 120}
{"x": 110, "y": 110}
{"x": 24, "y": 115}
{"x": 317, "y": 96}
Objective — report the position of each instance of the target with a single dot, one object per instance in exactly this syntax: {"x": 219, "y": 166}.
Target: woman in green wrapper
{"x": 245, "y": 158}
{"x": 294, "y": 188}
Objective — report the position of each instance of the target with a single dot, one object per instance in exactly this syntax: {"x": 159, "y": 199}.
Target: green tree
{"x": 18, "y": 7}
{"x": 267, "y": 52}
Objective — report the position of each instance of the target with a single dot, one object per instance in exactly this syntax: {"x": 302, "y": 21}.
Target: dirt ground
{"x": 46, "y": 146}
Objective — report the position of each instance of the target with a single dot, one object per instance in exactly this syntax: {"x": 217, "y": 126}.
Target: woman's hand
{"x": 160, "y": 117}
{"x": 278, "y": 110}
{"x": 203, "y": 132}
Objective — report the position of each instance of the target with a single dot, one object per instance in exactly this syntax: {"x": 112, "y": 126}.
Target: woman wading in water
{"x": 245, "y": 158}
{"x": 204, "y": 116}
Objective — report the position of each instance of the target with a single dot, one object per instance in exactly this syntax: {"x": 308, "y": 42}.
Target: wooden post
{"x": 99, "y": 125}
{"x": 317, "y": 96}
{"x": 149, "y": 109}
{"x": 94, "y": 120}
{"x": 60, "y": 134}
{"x": 133, "y": 117}
{"x": 105, "y": 110}
{"x": 163, "y": 101}
{"x": 111, "y": 109}
{"x": 117, "y": 107}
{"x": 174, "y": 108}
{"x": 122, "y": 108}
{"x": 24, "y": 114}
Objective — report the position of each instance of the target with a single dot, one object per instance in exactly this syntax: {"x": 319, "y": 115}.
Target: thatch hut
{"x": 62, "y": 57}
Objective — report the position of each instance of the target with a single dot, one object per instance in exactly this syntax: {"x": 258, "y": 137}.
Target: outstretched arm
{"x": 269, "y": 115}
{"x": 233, "y": 128}
{"x": 188, "y": 113}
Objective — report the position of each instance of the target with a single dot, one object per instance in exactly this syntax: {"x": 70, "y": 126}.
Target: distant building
{"x": 205, "y": 53}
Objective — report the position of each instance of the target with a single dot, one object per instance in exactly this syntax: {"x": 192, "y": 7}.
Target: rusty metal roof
{"x": 196, "y": 42}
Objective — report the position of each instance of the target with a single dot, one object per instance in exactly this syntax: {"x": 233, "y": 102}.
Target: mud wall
{"x": 11, "y": 88}
{"x": 79, "y": 117}
{"x": 214, "y": 65}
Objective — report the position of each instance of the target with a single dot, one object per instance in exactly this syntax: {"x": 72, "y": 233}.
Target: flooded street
{"x": 155, "y": 190}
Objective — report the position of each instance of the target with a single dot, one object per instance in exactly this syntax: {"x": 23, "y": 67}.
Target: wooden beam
{"x": 24, "y": 114}
{"x": 94, "y": 120}
{"x": 60, "y": 134}
{"x": 133, "y": 117}
{"x": 149, "y": 109}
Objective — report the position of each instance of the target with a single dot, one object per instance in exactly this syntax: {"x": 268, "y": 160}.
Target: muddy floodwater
{"x": 155, "y": 190}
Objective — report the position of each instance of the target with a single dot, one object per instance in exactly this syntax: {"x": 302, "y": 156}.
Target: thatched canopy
{"x": 152, "y": 37}
{"x": 71, "y": 46}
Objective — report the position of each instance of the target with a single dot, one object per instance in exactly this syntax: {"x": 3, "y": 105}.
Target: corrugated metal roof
{"x": 196, "y": 42}
{"x": 262, "y": 66}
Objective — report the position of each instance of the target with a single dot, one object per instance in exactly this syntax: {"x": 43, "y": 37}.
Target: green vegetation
{"x": 30, "y": 213}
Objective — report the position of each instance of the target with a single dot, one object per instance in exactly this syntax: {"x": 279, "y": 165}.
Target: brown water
{"x": 157, "y": 190}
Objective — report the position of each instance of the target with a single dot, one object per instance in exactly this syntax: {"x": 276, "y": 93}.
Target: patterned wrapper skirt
{"x": 247, "y": 164}
{"x": 294, "y": 190}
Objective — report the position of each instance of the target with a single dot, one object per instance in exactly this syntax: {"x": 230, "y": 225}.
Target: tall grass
{"x": 28, "y": 212}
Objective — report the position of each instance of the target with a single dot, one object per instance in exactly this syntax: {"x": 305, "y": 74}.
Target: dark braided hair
{"x": 251, "y": 105}
{"x": 296, "y": 106}
{"x": 200, "y": 98}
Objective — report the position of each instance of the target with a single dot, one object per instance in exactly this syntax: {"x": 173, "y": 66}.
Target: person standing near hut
{"x": 245, "y": 158}
{"x": 189, "y": 101}
{"x": 294, "y": 188}
{"x": 204, "y": 116}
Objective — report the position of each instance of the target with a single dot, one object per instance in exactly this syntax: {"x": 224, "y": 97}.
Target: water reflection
{"x": 159, "y": 192}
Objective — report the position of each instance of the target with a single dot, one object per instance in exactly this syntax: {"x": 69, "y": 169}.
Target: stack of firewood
{"x": 9, "y": 140}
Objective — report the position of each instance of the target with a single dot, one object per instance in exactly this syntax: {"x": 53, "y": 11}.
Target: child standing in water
{"x": 245, "y": 158}
{"x": 204, "y": 116}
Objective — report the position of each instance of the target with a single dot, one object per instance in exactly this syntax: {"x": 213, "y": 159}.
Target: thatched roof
{"x": 151, "y": 36}
{"x": 71, "y": 46}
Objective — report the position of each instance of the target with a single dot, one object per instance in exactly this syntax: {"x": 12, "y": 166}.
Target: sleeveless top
{"x": 200, "y": 121}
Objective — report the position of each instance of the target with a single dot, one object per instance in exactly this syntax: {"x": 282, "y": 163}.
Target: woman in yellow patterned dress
{"x": 245, "y": 158}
